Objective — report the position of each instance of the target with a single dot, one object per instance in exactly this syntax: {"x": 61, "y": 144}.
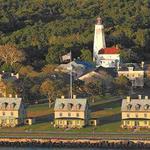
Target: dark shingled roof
{"x": 68, "y": 104}
{"x": 9, "y": 101}
{"x": 124, "y": 67}
{"x": 136, "y": 105}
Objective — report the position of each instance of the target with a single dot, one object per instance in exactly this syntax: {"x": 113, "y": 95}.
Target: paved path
{"x": 76, "y": 135}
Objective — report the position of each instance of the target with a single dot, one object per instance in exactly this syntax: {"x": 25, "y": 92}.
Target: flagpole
{"x": 70, "y": 76}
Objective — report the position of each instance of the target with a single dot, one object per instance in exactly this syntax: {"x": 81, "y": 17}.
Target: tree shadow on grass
{"x": 110, "y": 119}
{"x": 106, "y": 105}
{"x": 44, "y": 118}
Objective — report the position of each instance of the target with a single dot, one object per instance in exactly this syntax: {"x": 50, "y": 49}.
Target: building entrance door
{"x": 136, "y": 123}
{"x": 69, "y": 123}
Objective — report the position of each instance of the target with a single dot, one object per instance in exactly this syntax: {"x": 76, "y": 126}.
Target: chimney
{"x": 74, "y": 96}
{"x": 16, "y": 96}
{"x": 128, "y": 99}
{"x": 12, "y": 74}
{"x": 142, "y": 64}
{"x": 146, "y": 97}
{"x": 62, "y": 97}
{"x": 130, "y": 68}
{"x": 17, "y": 75}
{"x": 4, "y": 94}
{"x": 140, "y": 96}
{"x": 10, "y": 95}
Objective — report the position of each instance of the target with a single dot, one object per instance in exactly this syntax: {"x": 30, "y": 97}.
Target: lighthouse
{"x": 99, "y": 39}
{"x": 107, "y": 57}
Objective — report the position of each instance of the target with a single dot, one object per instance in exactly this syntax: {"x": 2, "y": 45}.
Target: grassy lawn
{"x": 39, "y": 110}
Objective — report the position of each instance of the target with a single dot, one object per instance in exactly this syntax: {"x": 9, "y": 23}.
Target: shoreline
{"x": 73, "y": 143}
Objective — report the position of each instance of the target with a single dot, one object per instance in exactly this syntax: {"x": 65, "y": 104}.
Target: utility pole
{"x": 71, "y": 84}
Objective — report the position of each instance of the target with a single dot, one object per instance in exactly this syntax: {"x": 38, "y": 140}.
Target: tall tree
{"x": 86, "y": 55}
{"x": 48, "y": 88}
{"x": 10, "y": 55}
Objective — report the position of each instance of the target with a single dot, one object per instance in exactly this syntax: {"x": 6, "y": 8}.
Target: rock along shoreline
{"x": 71, "y": 143}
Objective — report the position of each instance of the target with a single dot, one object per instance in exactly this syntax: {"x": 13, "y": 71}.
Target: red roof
{"x": 110, "y": 50}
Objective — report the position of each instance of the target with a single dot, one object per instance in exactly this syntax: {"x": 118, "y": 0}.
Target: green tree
{"x": 122, "y": 84}
{"x": 53, "y": 56}
{"x": 86, "y": 55}
{"x": 48, "y": 88}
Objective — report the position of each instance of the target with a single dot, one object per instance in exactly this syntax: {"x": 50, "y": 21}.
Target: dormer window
{"x": 146, "y": 107}
{"x": 78, "y": 106}
{"x": 70, "y": 105}
{"x": 12, "y": 106}
{"x": 137, "y": 106}
{"x": 4, "y": 105}
{"x": 129, "y": 106}
{"x": 61, "y": 106}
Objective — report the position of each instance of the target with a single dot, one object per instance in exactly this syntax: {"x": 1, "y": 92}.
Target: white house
{"x": 109, "y": 57}
{"x": 78, "y": 68}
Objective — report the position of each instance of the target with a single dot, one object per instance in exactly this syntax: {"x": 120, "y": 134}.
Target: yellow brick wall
{"x": 73, "y": 114}
{"x": 8, "y": 113}
{"x": 17, "y": 117}
{"x": 77, "y": 123}
{"x": 136, "y": 119}
{"x": 133, "y": 115}
{"x": 139, "y": 123}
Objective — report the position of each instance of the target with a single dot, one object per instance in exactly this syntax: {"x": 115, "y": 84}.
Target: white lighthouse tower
{"x": 99, "y": 39}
